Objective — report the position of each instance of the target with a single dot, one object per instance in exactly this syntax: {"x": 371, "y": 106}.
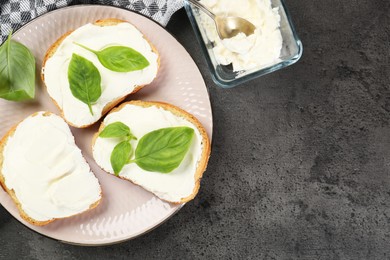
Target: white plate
{"x": 126, "y": 210}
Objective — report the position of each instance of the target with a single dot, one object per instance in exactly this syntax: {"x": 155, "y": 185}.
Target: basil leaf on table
{"x": 120, "y": 156}
{"x": 164, "y": 149}
{"x": 117, "y": 129}
{"x": 17, "y": 71}
{"x": 120, "y": 58}
{"x": 84, "y": 80}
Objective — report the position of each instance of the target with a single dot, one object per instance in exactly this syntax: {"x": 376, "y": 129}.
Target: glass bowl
{"x": 224, "y": 75}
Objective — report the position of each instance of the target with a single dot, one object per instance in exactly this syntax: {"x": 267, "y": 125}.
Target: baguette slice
{"x": 44, "y": 172}
{"x": 116, "y": 86}
{"x": 180, "y": 185}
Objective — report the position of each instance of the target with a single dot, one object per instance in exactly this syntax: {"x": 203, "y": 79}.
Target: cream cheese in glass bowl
{"x": 274, "y": 44}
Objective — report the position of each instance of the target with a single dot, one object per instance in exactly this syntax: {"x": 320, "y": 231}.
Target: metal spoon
{"x": 227, "y": 26}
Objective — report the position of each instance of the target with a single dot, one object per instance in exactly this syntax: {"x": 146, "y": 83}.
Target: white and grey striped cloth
{"x": 15, "y": 13}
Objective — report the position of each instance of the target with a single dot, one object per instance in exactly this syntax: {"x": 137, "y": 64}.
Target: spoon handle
{"x": 204, "y": 8}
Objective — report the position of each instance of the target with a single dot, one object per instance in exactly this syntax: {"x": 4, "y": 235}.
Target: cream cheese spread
{"x": 246, "y": 52}
{"x": 172, "y": 186}
{"x": 47, "y": 171}
{"x": 114, "y": 84}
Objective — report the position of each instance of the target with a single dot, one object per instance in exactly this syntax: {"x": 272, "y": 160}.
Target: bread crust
{"x": 53, "y": 48}
{"x": 206, "y": 147}
{"x": 11, "y": 192}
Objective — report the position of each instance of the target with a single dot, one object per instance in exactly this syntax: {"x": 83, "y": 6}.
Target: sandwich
{"x": 44, "y": 172}
{"x": 90, "y": 70}
{"x": 155, "y": 145}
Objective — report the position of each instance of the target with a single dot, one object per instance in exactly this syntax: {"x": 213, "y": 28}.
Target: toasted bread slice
{"x": 180, "y": 185}
{"x": 44, "y": 172}
{"x": 116, "y": 86}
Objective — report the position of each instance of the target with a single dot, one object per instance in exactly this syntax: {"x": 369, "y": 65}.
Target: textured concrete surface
{"x": 301, "y": 158}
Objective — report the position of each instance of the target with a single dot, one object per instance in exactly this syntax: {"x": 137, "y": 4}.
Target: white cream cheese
{"x": 172, "y": 186}
{"x": 114, "y": 84}
{"x": 46, "y": 170}
{"x": 255, "y": 51}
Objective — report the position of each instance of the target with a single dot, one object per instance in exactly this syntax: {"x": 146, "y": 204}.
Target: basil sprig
{"x": 161, "y": 150}
{"x": 123, "y": 151}
{"x": 84, "y": 80}
{"x": 119, "y": 58}
{"x": 17, "y": 71}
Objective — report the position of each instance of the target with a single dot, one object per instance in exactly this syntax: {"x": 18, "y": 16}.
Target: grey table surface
{"x": 300, "y": 158}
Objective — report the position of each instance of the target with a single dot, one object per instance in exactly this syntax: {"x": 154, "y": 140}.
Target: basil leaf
{"x": 17, "y": 71}
{"x": 117, "y": 129}
{"x": 120, "y": 58}
{"x": 84, "y": 80}
{"x": 120, "y": 156}
{"x": 164, "y": 149}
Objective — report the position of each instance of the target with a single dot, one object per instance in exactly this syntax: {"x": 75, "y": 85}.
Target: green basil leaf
{"x": 117, "y": 129}
{"x": 120, "y": 58}
{"x": 17, "y": 71}
{"x": 84, "y": 80}
{"x": 164, "y": 149}
{"x": 120, "y": 156}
